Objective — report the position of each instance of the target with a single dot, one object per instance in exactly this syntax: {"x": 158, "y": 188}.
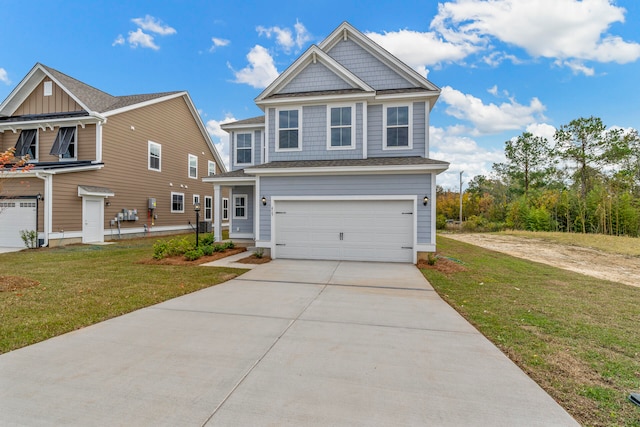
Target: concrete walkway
{"x": 289, "y": 343}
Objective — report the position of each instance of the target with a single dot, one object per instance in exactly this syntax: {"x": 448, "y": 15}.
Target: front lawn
{"x": 578, "y": 337}
{"x": 84, "y": 284}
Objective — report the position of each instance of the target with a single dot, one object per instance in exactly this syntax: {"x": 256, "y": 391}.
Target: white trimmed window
{"x": 240, "y": 206}
{"x": 208, "y": 208}
{"x": 289, "y": 131}
{"x": 225, "y": 209}
{"x": 193, "y": 166}
{"x": 155, "y": 156}
{"x": 341, "y": 127}
{"x": 27, "y": 144}
{"x": 177, "y": 202}
{"x": 397, "y": 133}
{"x": 64, "y": 146}
{"x": 196, "y": 199}
{"x": 211, "y": 167}
{"x": 244, "y": 149}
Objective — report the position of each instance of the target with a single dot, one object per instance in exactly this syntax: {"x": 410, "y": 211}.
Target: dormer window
{"x": 64, "y": 145}
{"x": 27, "y": 144}
{"x": 288, "y": 130}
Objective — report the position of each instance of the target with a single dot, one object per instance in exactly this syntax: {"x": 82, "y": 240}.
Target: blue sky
{"x": 504, "y": 66}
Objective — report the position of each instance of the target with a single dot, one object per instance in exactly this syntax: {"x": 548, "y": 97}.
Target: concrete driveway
{"x": 289, "y": 343}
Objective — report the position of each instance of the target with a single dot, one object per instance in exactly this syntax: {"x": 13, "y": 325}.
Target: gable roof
{"x": 358, "y": 86}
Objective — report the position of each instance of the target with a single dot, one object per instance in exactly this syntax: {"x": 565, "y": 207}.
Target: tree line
{"x": 586, "y": 180}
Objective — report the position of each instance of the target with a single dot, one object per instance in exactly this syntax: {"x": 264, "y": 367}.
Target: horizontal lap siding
{"x": 315, "y": 77}
{"x": 376, "y": 128}
{"x": 242, "y": 225}
{"x": 355, "y": 185}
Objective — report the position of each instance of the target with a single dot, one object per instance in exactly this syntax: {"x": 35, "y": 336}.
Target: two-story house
{"x": 338, "y": 167}
{"x": 103, "y": 166}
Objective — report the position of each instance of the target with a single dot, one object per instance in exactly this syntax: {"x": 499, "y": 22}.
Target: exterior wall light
{"x": 425, "y": 200}
{"x": 264, "y": 201}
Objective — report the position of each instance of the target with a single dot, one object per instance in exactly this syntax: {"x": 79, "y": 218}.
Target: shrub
{"x": 30, "y": 238}
{"x": 259, "y": 253}
{"x": 160, "y": 249}
{"x": 229, "y": 245}
{"x": 441, "y": 222}
{"x": 218, "y": 248}
{"x": 207, "y": 239}
{"x": 432, "y": 258}
{"x": 193, "y": 254}
{"x": 206, "y": 250}
{"x": 173, "y": 247}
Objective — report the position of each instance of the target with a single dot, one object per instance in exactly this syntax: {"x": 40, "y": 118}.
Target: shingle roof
{"x": 250, "y": 121}
{"x": 97, "y": 100}
{"x": 373, "y": 161}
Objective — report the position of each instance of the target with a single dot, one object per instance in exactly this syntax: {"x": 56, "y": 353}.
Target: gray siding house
{"x": 338, "y": 166}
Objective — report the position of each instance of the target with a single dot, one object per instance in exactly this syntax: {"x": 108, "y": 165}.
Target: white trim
{"x": 149, "y": 144}
{"x": 100, "y": 219}
{"x": 224, "y": 217}
{"x": 426, "y": 129}
{"x": 350, "y": 170}
{"x": 171, "y": 202}
{"x": 217, "y": 216}
{"x": 75, "y": 145}
{"x": 424, "y": 247}
{"x": 277, "y": 134}
{"x": 246, "y": 206}
{"x": 385, "y": 107}
{"x": 408, "y": 197}
{"x": 365, "y": 127}
{"x": 256, "y": 211}
{"x": 189, "y": 158}
{"x": 50, "y": 123}
{"x": 240, "y": 235}
{"x": 352, "y": 127}
{"x": 99, "y": 142}
{"x": 235, "y": 148}
{"x": 210, "y": 200}
{"x": 196, "y": 199}
{"x": 144, "y": 104}
{"x": 266, "y": 137}
{"x": 250, "y": 180}
{"x": 209, "y": 163}
{"x": 432, "y": 203}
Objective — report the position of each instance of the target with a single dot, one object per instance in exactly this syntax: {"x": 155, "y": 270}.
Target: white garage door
{"x": 16, "y": 215}
{"x": 350, "y": 230}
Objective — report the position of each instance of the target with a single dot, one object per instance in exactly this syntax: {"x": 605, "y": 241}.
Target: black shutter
{"x": 63, "y": 139}
{"x": 25, "y": 140}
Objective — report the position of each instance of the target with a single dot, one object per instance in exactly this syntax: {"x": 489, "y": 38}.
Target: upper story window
{"x": 211, "y": 167}
{"x": 397, "y": 127}
{"x": 64, "y": 145}
{"x": 193, "y": 166}
{"x": 27, "y": 144}
{"x": 177, "y": 202}
{"x": 341, "y": 128}
{"x": 244, "y": 149}
{"x": 155, "y": 156}
{"x": 288, "y": 130}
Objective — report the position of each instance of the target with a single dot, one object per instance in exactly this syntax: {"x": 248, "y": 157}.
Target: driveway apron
{"x": 289, "y": 343}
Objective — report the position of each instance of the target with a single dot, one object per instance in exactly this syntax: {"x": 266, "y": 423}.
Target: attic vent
{"x": 344, "y": 34}
{"x": 48, "y": 88}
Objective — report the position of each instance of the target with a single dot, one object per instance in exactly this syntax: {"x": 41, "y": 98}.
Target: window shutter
{"x": 25, "y": 140}
{"x": 63, "y": 139}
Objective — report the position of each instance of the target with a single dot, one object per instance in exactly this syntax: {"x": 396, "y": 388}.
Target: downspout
{"x": 46, "y": 198}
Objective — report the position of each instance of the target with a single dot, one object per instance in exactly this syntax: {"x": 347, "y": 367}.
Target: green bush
{"x": 229, "y": 245}
{"x": 193, "y": 254}
{"x": 173, "y": 247}
{"x": 30, "y": 238}
{"x": 441, "y": 222}
{"x": 207, "y": 239}
{"x": 206, "y": 250}
{"x": 218, "y": 248}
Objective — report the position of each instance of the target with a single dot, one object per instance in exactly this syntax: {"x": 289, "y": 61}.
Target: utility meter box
{"x": 152, "y": 203}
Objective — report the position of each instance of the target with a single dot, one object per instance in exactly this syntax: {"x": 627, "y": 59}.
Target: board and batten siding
{"x": 349, "y": 185}
{"x": 376, "y": 128}
{"x": 315, "y": 77}
{"x": 366, "y": 66}
{"x": 58, "y": 102}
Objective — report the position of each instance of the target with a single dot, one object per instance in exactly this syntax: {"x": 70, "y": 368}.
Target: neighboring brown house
{"x": 104, "y": 166}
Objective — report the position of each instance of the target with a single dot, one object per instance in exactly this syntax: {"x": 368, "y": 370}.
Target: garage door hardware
{"x": 280, "y": 212}
{"x": 407, "y": 213}
{"x": 281, "y": 244}
{"x": 407, "y": 247}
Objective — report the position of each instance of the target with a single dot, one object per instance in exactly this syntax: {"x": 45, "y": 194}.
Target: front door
{"x": 92, "y": 220}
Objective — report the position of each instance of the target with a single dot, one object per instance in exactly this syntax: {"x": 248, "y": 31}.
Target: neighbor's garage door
{"x": 16, "y": 215}
{"x": 354, "y": 230}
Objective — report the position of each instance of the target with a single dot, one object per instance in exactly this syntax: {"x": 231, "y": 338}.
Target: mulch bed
{"x": 179, "y": 260}
{"x": 255, "y": 260}
{"x": 14, "y": 283}
{"x": 443, "y": 265}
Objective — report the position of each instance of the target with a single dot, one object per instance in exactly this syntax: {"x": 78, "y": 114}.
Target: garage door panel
{"x": 375, "y": 230}
{"x": 16, "y": 215}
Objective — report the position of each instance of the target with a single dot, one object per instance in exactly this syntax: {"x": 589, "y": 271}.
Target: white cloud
{"x": 420, "y": 50}
{"x": 491, "y": 118}
{"x": 154, "y": 25}
{"x": 577, "y": 67}
{"x": 118, "y": 41}
{"x": 261, "y": 70}
{"x": 220, "y": 137}
{"x": 542, "y": 129}
{"x": 463, "y": 154}
{"x": 285, "y": 38}
{"x": 217, "y": 42}
{"x": 4, "y": 76}
{"x": 142, "y": 39}
{"x": 559, "y": 29}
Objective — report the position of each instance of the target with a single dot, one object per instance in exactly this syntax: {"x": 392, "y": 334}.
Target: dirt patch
{"x": 254, "y": 260}
{"x": 591, "y": 262}
{"x": 15, "y": 283}
{"x": 443, "y": 265}
{"x": 179, "y": 260}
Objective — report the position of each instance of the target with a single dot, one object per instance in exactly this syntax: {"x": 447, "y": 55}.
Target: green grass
{"x": 81, "y": 285}
{"x": 578, "y": 337}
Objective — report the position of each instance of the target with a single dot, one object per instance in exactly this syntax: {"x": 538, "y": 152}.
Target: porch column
{"x": 217, "y": 215}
